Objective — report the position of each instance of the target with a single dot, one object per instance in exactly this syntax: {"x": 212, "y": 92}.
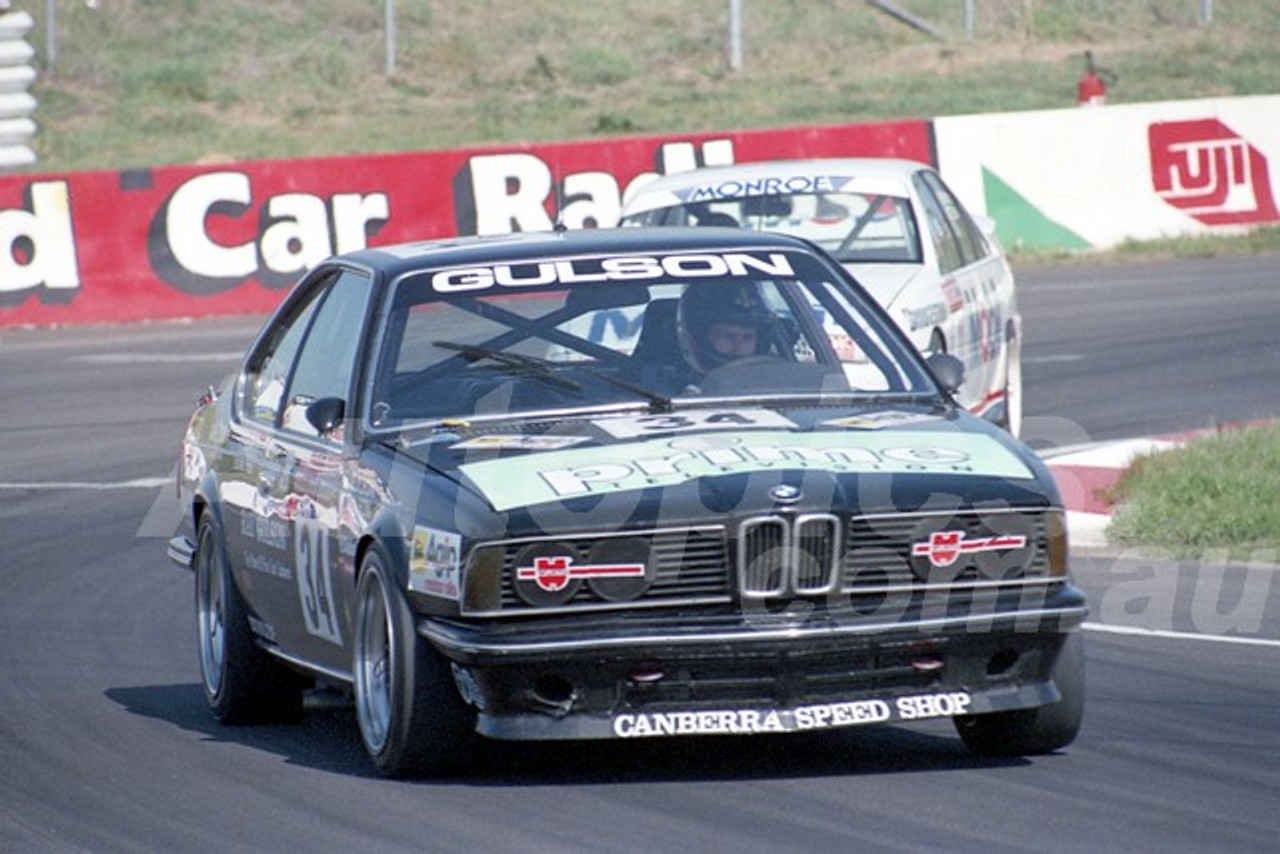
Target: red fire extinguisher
{"x": 1091, "y": 91}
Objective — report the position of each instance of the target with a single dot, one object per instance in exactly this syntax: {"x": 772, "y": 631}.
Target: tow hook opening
{"x": 1002, "y": 662}
{"x": 554, "y": 693}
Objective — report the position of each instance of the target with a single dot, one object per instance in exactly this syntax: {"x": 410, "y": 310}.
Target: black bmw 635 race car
{"x": 617, "y": 484}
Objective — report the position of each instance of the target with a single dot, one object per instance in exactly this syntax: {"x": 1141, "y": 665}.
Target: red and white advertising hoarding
{"x": 189, "y": 241}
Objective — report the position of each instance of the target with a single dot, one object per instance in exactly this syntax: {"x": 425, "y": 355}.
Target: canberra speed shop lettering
{"x": 802, "y": 719}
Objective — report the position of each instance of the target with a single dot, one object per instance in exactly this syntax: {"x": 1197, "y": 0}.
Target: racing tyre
{"x": 412, "y": 719}
{"x": 1027, "y": 732}
{"x": 242, "y": 683}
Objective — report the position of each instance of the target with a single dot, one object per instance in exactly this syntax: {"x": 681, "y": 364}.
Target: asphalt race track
{"x": 106, "y": 745}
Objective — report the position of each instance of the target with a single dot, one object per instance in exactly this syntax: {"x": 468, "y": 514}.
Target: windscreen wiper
{"x": 658, "y": 402}
{"x": 536, "y": 368}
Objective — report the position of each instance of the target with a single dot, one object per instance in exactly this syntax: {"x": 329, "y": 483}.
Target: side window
{"x": 950, "y": 256}
{"x": 267, "y": 371}
{"x": 327, "y": 361}
{"x": 973, "y": 246}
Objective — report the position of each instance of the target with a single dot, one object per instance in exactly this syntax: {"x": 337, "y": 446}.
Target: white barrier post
{"x": 16, "y": 104}
{"x": 735, "y": 35}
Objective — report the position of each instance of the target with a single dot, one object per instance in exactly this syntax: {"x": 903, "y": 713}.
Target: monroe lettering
{"x": 771, "y": 186}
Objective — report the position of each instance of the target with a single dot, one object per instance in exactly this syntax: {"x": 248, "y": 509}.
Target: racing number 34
{"x": 314, "y": 571}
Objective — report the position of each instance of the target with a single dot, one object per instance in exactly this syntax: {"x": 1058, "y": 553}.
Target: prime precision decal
{"x": 802, "y": 719}
{"x": 574, "y": 473}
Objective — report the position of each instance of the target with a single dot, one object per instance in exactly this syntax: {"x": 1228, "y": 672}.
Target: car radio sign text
{"x": 214, "y": 239}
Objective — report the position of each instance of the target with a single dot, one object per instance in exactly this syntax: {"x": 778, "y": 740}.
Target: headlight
{"x": 482, "y": 581}
{"x": 552, "y": 573}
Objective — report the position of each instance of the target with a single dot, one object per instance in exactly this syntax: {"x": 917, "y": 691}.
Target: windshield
{"x": 653, "y": 330}
{"x": 854, "y": 227}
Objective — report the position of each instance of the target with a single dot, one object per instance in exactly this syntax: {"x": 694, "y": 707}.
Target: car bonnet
{"x": 686, "y": 450}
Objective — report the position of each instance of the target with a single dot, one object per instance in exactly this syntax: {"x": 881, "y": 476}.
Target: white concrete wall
{"x": 1110, "y": 173}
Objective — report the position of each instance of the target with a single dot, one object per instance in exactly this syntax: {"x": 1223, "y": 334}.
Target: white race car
{"x": 896, "y": 226}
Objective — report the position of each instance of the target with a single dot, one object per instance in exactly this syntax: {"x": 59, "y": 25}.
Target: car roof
{"x": 769, "y": 177}
{"x": 395, "y": 260}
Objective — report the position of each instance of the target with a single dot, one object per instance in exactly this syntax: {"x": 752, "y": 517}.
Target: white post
{"x": 391, "y": 38}
{"x": 17, "y": 74}
{"x": 51, "y": 34}
{"x": 735, "y": 35}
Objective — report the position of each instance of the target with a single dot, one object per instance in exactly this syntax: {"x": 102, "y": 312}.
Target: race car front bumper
{"x": 763, "y": 673}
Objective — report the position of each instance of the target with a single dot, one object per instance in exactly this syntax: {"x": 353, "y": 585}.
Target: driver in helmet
{"x": 720, "y": 324}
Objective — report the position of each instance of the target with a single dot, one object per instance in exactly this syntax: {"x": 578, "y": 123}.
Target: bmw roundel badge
{"x": 785, "y": 493}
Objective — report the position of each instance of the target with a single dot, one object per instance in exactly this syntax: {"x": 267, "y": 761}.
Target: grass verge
{"x": 1262, "y": 240}
{"x": 1219, "y": 493}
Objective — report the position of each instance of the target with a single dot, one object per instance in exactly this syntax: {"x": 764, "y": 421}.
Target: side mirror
{"x": 326, "y": 413}
{"x": 985, "y": 224}
{"x": 947, "y": 369}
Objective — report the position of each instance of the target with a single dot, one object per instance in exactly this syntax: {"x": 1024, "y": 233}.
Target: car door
{"x": 971, "y": 279}
{"x": 254, "y": 483}
{"x": 323, "y": 559}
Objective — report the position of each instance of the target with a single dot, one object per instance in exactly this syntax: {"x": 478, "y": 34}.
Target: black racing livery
{"x": 614, "y": 484}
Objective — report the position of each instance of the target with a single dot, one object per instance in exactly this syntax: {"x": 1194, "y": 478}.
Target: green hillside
{"x": 133, "y": 83}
